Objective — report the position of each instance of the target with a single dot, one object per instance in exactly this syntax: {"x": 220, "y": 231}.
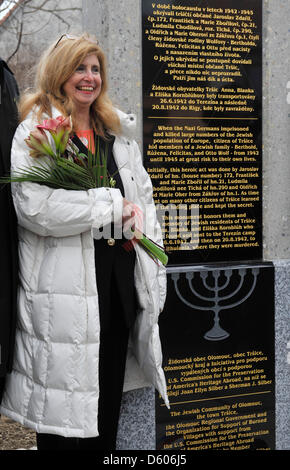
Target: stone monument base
{"x": 137, "y": 427}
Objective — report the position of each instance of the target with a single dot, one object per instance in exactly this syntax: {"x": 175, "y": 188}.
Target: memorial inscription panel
{"x": 217, "y": 334}
{"x": 202, "y": 95}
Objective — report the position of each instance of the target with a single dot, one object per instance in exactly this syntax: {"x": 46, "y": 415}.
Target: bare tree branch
{"x": 59, "y": 10}
{"x": 35, "y": 8}
{"x": 60, "y": 18}
{"x": 16, "y": 26}
{"x": 37, "y": 30}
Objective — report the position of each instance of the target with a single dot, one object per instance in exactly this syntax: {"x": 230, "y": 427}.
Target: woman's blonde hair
{"x": 56, "y": 66}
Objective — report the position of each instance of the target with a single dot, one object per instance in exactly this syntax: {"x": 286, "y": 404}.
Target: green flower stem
{"x": 63, "y": 173}
{"x": 153, "y": 250}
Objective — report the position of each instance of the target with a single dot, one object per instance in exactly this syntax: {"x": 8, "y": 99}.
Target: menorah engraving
{"x": 213, "y": 294}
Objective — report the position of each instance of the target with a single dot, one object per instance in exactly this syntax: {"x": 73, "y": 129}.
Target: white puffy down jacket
{"x": 53, "y": 387}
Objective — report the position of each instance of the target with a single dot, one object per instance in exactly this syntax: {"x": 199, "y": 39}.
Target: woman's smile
{"x": 86, "y": 89}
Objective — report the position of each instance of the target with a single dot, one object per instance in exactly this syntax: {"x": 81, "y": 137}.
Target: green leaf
{"x": 154, "y": 250}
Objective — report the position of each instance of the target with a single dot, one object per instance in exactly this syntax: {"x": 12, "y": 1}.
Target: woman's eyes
{"x": 82, "y": 68}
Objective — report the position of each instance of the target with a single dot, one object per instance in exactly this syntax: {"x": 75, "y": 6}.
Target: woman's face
{"x": 84, "y": 85}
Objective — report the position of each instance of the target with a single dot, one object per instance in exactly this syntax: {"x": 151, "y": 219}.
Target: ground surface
{"x": 14, "y": 436}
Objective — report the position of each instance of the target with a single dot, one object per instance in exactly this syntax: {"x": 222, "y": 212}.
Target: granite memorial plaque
{"x": 202, "y": 120}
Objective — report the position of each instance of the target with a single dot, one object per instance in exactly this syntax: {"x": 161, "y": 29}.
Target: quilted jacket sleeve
{"x": 151, "y": 226}
{"x": 58, "y": 212}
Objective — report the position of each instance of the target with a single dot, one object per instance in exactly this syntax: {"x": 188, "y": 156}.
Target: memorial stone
{"x": 202, "y": 120}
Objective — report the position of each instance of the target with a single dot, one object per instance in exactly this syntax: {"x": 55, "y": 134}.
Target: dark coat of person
{"x": 8, "y": 227}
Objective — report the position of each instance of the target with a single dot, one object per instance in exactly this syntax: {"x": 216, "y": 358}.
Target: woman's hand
{"x": 128, "y": 217}
{"x": 132, "y": 218}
